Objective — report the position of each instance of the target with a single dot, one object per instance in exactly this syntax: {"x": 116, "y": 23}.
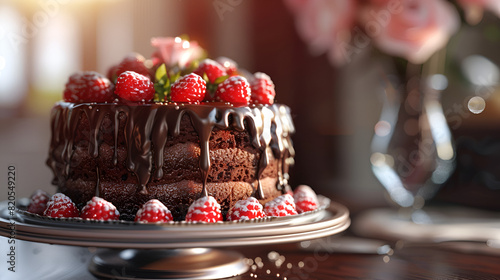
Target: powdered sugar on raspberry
{"x": 210, "y": 62}
{"x": 88, "y": 86}
{"x": 133, "y": 86}
{"x": 38, "y": 202}
{"x": 304, "y": 192}
{"x": 39, "y": 196}
{"x": 211, "y": 68}
{"x": 234, "y": 89}
{"x": 281, "y": 206}
{"x": 246, "y": 209}
{"x": 100, "y": 209}
{"x": 204, "y": 209}
{"x": 260, "y": 75}
{"x": 153, "y": 211}
{"x": 263, "y": 91}
{"x": 189, "y": 88}
{"x": 133, "y": 62}
{"x": 60, "y": 206}
{"x": 305, "y": 199}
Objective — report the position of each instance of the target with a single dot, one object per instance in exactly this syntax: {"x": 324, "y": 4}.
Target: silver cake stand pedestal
{"x": 177, "y": 250}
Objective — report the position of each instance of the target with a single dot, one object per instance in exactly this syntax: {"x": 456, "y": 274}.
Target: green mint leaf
{"x": 161, "y": 72}
{"x": 221, "y": 79}
{"x": 159, "y": 92}
{"x": 174, "y": 77}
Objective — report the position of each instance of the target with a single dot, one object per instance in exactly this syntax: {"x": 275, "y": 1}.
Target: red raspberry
{"x": 60, "y": 206}
{"x": 305, "y": 199}
{"x": 38, "y": 202}
{"x": 205, "y": 209}
{"x": 211, "y": 68}
{"x": 246, "y": 209}
{"x": 99, "y": 209}
{"x": 234, "y": 89}
{"x": 88, "y": 86}
{"x": 135, "y": 63}
{"x": 262, "y": 89}
{"x": 230, "y": 65}
{"x": 281, "y": 206}
{"x": 133, "y": 86}
{"x": 189, "y": 88}
{"x": 153, "y": 211}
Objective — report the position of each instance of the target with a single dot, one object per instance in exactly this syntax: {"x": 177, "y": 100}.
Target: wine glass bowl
{"x": 412, "y": 148}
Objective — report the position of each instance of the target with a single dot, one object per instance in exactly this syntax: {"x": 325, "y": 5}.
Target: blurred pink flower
{"x": 412, "y": 29}
{"x": 176, "y": 51}
{"x": 325, "y": 25}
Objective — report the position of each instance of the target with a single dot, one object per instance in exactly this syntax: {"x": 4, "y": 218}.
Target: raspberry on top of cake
{"x": 173, "y": 127}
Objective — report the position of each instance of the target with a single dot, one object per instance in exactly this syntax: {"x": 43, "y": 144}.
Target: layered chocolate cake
{"x": 172, "y": 132}
{"x": 129, "y": 154}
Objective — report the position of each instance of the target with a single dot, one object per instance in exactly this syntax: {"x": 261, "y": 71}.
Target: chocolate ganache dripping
{"x": 147, "y": 127}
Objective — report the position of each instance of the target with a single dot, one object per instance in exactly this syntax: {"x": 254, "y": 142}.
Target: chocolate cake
{"x": 174, "y": 152}
{"x": 174, "y": 128}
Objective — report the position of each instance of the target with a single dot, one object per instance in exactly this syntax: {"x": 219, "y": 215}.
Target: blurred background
{"x": 334, "y": 108}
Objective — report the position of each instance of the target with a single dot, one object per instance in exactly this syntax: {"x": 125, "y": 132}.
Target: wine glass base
{"x": 436, "y": 224}
{"x": 196, "y": 263}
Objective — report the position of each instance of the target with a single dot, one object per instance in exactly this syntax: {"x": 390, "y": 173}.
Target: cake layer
{"x": 129, "y": 153}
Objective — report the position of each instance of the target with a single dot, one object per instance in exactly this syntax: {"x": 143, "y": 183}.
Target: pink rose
{"x": 176, "y": 51}
{"x": 413, "y": 29}
{"x": 325, "y": 25}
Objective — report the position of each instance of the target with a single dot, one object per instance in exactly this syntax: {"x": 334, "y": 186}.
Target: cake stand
{"x": 176, "y": 250}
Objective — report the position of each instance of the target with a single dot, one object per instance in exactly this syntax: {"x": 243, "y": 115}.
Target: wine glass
{"x": 412, "y": 148}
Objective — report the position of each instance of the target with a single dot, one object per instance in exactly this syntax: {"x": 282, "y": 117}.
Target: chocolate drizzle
{"x": 148, "y": 126}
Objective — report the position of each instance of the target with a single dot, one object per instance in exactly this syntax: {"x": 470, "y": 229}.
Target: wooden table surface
{"x": 406, "y": 263}
{"x": 429, "y": 262}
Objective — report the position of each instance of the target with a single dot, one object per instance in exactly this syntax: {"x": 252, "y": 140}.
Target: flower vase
{"x": 412, "y": 148}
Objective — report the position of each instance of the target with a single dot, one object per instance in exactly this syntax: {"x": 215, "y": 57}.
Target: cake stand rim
{"x": 327, "y": 224}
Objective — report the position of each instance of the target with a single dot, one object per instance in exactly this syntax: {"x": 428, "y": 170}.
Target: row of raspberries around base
{"x": 205, "y": 209}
